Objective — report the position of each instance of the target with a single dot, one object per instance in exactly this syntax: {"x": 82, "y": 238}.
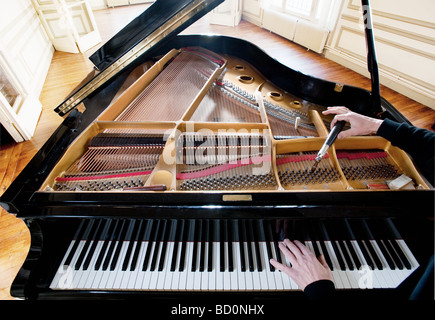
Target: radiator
{"x": 297, "y": 30}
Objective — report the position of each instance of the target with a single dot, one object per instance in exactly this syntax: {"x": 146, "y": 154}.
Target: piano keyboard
{"x": 227, "y": 255}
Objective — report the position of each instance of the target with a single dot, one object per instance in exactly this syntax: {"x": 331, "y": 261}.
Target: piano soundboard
{"x": 199, "y": 121}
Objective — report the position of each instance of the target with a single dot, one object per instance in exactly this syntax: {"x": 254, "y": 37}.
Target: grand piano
{"x": 181, "y": 182}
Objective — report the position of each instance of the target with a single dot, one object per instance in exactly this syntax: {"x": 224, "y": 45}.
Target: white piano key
{"x": 282, "y": 280}
{"x": 205, "y": 274}
{"x": 115, "y": 278}
{"x": 233, "y": 274}
{"x": 337, "y": 269}
{"x": 268, "y": 274}
{"x": 367, "y": 277}
{"x": 154, "y": 274}
{"x": 226, "y": 277}
{"x": 212, "y": 274}
{"x": 136, "y": 283}
{"x": 241, "y": 280}
{"x": 264, "y": 284}
{"x": 352, "y": 275}
{"x": 62, "y": 268}
{"x": 219, "y": 273}
{"x": 249, "y": 277}
{"x": 189, "y": 274}
{"x": 255, "y": 274}
{"x": 196, "y": 274}
{"x": 414, "y": 264}
{"x": 169, "y": 277}
{"x": 176, "y": 274}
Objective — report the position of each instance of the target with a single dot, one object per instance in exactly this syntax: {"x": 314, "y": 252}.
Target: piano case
{"x": 184, "y": 178}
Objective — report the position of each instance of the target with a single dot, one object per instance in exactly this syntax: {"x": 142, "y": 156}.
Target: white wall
{"x": 25, "y": 42}
{"x": 405, "y": 44}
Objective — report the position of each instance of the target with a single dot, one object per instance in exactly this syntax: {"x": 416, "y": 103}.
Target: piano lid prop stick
{"x": 328, "y": 142}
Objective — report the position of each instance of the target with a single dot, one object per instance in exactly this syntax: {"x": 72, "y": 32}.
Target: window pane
{"x": 299, "y": 6}
{"x": 7, "y": 89}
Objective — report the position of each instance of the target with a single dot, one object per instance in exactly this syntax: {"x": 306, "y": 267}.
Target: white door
{"x": 19, "y": 109}
{"x": 70, "y": 24}
{"x": 25, "y": 56}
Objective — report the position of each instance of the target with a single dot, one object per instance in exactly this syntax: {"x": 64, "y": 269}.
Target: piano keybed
{"x": 222, "y": 127}
{"x": 227, "y": 255}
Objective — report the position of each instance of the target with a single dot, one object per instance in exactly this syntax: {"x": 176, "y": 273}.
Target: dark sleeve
{"x": 417, "y": 142}
{"x": 320, "y": 290}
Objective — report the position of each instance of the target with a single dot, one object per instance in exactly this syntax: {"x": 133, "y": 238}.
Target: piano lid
{"x": 155, "y": 26}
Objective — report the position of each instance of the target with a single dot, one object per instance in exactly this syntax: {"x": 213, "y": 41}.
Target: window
{"x": 7, "y": 90}
{"x": 321, "y": 12}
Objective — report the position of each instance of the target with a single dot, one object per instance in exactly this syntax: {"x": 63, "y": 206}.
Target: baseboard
{"x": 388, "y": 79}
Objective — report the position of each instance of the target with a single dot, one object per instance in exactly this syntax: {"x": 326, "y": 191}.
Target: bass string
{"x": 172, "y": 92}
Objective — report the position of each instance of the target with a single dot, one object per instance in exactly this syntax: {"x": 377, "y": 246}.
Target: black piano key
{"x": 109, "y": 228}
{"x": 140, "y": 237}
{"x": 351, "y": 237}
{"x": 275, "y": 237}
{"x": 337, "y": 252}
{"x": 210, "y": 246}
{"x": 377, "y": 261}
{"x": 122, "y": 236}
{"x": 154, "y": 226}
{"x": 396, "y": 236}
{"x": 313, "y": 237}
{"x": 185, "y": 235}
{"x": 337, "y": 233}
{"x": 222, "y": 240}
{"x": 230, "y": 235}
{"x": 133, "y": 233}
{"x": 204, "y": 238}
{"x": 113, "y": 243}
{"x": 157, "y": 243}
{"x": 242, "y": 240}
{"x": 96, "y": 238}
{"x": 255, "y": 238}
{"x": 88, "y": 236}
{"x": 177, "y": 239}
{"x": 168, "y": 231}
{"x": 198, "y": 230}
{"x": 77, "y": 237}
{"x": 268, "y": 239}
{"x": 248, "y": 238}
{"x": 321, "y": 236}
{"x": 360, "y": 239}
{"x": 380, "y": 236}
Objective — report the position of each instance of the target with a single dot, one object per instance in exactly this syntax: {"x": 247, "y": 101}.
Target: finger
{"x": 283, "y": 268}
{"x": 345, "y": 134}
{"x": 322, "y": 260}
{"x": 293, "y": 249}
{"x": 287, "y": 252}
{"x": 277, "y": 265}
{"x": 335, "y": 110}
{"x": 302, "y": 247}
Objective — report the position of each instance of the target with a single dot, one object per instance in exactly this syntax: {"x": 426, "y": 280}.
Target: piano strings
{"x": 294, "y": 170}
{"x": 171, "y": 93}
{"x": 113, "y": 162}
{"x": 370, "y": 168}
{"x": 224, "y": 162}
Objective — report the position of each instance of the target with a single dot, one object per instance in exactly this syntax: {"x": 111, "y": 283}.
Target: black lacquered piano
{"x": 182, "y": 162}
